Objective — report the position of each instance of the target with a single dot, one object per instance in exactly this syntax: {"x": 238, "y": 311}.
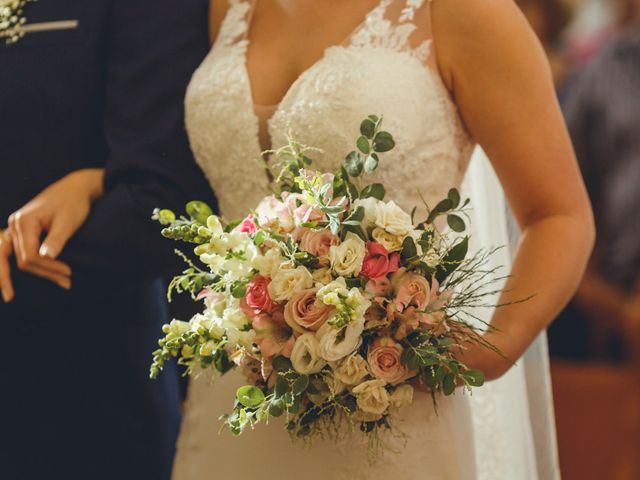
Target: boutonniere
{"x": 12, "y": 19}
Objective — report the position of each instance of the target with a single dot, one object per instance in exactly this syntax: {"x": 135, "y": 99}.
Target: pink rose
{"x": 305, "y": 313}
{"x": 257, "y": 299}
{"x": 273, "y": 336}
{"x": 247, "y": 225}
{"x": 377, "y": 261}
{"x": 410, "y": 289}
{"x": 318, "y": 242}
{"x": 273, "y": 212}
{"x": 384, "y": 361}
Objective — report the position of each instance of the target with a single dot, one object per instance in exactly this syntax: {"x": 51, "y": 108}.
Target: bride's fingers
{"x": 26, "y": 233}
{"x": 63, "y": 281}
{"x": 6, "y": 286}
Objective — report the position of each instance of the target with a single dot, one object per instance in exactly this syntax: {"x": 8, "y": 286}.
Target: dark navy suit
{"x": 75, "y": 398}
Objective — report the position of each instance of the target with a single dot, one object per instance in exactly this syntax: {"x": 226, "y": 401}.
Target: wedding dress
{"x": 385, "y": 67}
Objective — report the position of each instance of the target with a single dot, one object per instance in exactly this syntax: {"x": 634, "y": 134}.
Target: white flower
{"x": 346, "y": 258}
{"x": 268, "y": 264}
{"x": 207, "y": 348}
{"x": 305, "y": 356}
{"x": 288, "y": 281}
{"x": 394, "y": 220}
{"x": 175, "y": 329}
{"x": 393, "y": 243}
{"x": 214, "y": 224}
{"x": 402, "y": 396}
{"x": 431, "y": 258}
{"x": 372, "y": 397}
{"x": 351, "y": 370}
{"x": 338, "y": 343}
{"x": 330, "y": 294}
{"x": 370, "y": 206}
{"x": 234, "y": 318}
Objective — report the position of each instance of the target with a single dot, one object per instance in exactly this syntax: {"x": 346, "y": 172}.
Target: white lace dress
{"x": 383, "y": 68}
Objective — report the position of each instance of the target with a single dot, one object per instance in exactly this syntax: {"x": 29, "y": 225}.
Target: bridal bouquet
{"x": 334, "y": 302}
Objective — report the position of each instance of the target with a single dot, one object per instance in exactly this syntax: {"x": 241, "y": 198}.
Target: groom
{"x": 95, "y": 84}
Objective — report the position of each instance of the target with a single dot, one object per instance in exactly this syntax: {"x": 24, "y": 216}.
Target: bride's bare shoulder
{"x": 468, "y": 33}
{"x": 217, "y": 11}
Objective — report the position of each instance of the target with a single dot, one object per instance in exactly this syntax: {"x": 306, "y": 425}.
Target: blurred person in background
{"x": 602, "y": 110}
{"x": 549, "y": 19}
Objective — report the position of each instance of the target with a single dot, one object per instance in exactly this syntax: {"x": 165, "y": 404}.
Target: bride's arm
{"x": 501, "y": 82}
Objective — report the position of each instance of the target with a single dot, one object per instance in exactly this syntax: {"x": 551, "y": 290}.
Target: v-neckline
{"x": 381, "y": 4}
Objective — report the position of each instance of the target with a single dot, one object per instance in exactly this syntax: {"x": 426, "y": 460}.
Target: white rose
{"x": 346, "y": 258}
{"x": 391, "y": 218}
{"x": 287, "y": 281}
{"x": 402, "y": 396}
{"x": 372, "y": 397}
{"x": 268, "y": 264}
{"x": 338, "y": 343}
{"x": 370, "y": 205}
{"x": 351, "y": 370}
{"x": 305, "y": 356}
{"x": 393, "y": 243}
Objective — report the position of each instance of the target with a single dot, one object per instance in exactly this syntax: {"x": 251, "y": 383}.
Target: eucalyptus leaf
{"x": 449, "y": 384}
{"x": 383, "y": 142}
{"x": 250, "y": 396}
{"x": 199, "y": 211}
{"x": 363, "y": 145}
{"x": 281, "y": 387}
{"x": 368, "y": 128}
{"x": 456, "y": 223}
{"x": 300, "y": 385}
{"x": 281, "y": 364}
{"x": 276, "y": 408}
{"x": 353, "y": 164}
{"x": 454, "y": 197}
{"x": 442, "y": 206}
{"x": 475, "y": 378}
{"x": 375, "y": 190}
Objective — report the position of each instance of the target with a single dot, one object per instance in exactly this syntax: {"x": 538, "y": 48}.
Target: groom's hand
{"x": 59, "y": 210}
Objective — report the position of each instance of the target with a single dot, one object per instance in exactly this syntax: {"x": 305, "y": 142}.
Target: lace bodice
{"x": 381, "y": 69}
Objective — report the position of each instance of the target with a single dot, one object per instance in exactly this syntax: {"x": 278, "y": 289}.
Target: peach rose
{"x": 304, "y": 312}
{"x": 384, "y": 361}
{"x": 410, "y": 289}
{"x": 318, "y": 242}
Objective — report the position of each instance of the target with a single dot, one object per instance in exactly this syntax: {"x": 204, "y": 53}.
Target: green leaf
{"x": 375, "y": 190}
{"x": 449, "y": 384}
{"x": 276, "y": 408}
{"x": 199, "y": 211}
{"x": 383, "y": 142}
{"x": 250, "y": 396}
{"x": 452, "y": 259}
{"x": 375, "y": 119}
{"x": 281, "y": 364}
{"x": 300, "y": 385}
{"x": 281, "y": 387}
{"x": 409, "y": 249}
{"x": 433, "y": 375}
{"x": 355, "y": 218}
{"x": 368, "y": 128}
{"x": 239, "y": 290}
{"x": 454, "y": 197}
{"x": 441, "y": 207}
{"x": 353, "y": 164}
{"x": 474, "y": 378}
{"x": 371, "y": 163}
{"x": 363, "y": 145}
{"x": 259, "y": 238}
{"x": 456, "y": 223}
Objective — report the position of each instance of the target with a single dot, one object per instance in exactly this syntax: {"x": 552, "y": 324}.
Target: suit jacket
{"x": 77, "y": 401}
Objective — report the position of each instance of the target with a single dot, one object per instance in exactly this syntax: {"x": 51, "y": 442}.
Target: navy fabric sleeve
{"x": 152, "y": 49}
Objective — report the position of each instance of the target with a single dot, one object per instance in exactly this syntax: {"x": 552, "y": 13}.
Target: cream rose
{"x": 338, "y": 343}
{"x": 351, "y": 370}
{"x": 305, "y": 357}
{"x": 372, "y": 397}
{"x": 304, "y": 312}
{"x": 322, "y": 276}
{"x": 393, "y": 219}
{"x": 288, "y": 281}
{"x": 402, "y": 396}
{"x": 346, "y": 258}
{"x": 393, "y": 243}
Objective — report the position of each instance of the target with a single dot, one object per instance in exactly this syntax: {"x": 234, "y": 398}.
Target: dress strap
{"x": 235, "y": 25}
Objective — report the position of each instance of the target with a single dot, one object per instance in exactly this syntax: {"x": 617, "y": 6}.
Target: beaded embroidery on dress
{"x": 384, "y": 68}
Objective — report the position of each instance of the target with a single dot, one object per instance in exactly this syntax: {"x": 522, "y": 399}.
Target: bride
{"x": 445, "y": 74}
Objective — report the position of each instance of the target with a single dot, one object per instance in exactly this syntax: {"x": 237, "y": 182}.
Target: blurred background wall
{"x": 594, "y": 50}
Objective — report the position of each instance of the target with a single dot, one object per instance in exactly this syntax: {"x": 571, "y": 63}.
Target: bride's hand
{"x": 59, "y": 210}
